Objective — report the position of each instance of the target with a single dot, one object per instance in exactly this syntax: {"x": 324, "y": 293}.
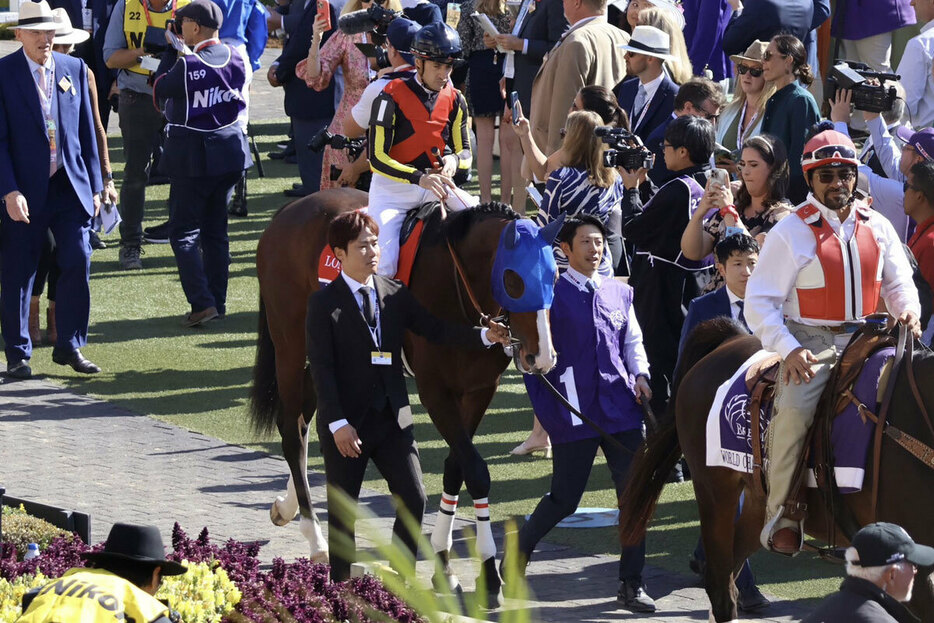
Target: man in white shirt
{"x": 827, "y": 264}
{"x": 648, "y": 97}
{"x": 915, "y": 67}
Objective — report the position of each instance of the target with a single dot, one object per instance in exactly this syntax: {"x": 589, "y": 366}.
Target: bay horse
{"x": 712, "y": 354}
{"x": 454, "y": 385}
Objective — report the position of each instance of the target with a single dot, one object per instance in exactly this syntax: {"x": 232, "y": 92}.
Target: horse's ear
{"x": 550, "y": 231}
{"x": 511, "y": 236}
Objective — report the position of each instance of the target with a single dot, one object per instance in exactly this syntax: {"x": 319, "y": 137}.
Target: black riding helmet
{"x": 437, "y": 42}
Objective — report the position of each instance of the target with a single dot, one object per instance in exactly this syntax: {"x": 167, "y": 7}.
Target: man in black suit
{"x": 647, "y": 94}
{"x": 309, "y": 110}
{"x": 355, "y": 328}
{"x": 763, "y": 19}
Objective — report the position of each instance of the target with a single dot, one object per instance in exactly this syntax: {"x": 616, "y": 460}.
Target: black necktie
{"x": 741, "y": 317}
{"x": 368, "y": 312}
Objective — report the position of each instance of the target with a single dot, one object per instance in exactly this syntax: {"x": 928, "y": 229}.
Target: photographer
{"x": 205, "y": 154}
{"x": 585, "y": 186}
{"x": 880, "y": 152}
{"x": 136, "y": 32}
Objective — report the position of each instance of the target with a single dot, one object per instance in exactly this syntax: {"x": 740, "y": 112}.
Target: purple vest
{"x": 859, "y": 19}
{"x": 697, "y": 193}
{"x": 588, "y": 331}
{"x": 214, "y": 93}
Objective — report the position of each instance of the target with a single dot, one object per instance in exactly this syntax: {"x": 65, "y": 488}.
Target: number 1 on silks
{"x": 570, "y": 388}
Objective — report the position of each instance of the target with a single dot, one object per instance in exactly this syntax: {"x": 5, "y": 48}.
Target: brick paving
{"x": 84, "y": 454}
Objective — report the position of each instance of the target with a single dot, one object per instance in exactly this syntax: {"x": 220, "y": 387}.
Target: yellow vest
{"x": 135, "y": 24}
{"x": 93, "y": 596}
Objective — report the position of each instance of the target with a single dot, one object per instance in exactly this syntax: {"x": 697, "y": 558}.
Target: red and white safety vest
{"x": 844, "y": 280}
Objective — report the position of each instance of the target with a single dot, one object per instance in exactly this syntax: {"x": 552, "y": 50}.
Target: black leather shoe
{"x": 752, "y": 600}
{"x": 296, "y": 192}
{"x": 633, "y": 597}
{"x": 76, "y": 360}
{"x": 19, "y": 370}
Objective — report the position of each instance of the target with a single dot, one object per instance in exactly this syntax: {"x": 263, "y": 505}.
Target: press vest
{"x": 428, "y": 127}
{"x": 137, "y": 18}
{"x": 214, "y": 93}
{"x": 843, "y": 281}
{"x": 93, "y": 596}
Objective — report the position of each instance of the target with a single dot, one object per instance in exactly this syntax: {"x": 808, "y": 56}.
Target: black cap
{"x": 880, "y": 544}
{"x": 129, "y": 542}
{"x": 204, "y": 12}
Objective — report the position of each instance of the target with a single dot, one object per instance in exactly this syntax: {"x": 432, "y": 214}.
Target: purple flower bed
{"x": 295, "y": 592}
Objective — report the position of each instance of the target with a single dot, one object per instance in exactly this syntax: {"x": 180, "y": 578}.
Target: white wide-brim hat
{"x": 35, "y": 16}
{"x": 66, "y": 34}
{"x": 650, "y": 41}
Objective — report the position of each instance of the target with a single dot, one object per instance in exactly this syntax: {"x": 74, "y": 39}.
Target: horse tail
{"x": 657, "y": 457}
{"x": 647, "y": 476}
{"x": 265, "y": 404}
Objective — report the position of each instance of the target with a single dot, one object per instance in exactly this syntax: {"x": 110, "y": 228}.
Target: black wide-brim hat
{"x": 133, "y": 543}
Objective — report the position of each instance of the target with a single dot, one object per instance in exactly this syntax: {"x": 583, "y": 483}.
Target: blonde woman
{"x": 679, "y": 67}
{"x": 318, "y": 70}
{"x": 742, "y": 118}
{"x": 485, "y": 68}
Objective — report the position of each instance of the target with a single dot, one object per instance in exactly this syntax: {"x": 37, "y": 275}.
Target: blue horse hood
{"x": 525, "y": 249}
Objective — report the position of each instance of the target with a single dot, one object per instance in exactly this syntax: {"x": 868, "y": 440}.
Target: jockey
{"x": 827, "y": 266}
{"x": 419, "y": 143}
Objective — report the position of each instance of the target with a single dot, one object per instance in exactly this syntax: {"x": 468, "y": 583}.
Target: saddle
{"x": 838, "y": 394}
{"x": 409, "y": 239}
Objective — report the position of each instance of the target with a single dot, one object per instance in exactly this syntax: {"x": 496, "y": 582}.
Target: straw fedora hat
{"x": 753, "y": 53}
{"x": 66, "y": 34}
{"x": 35, "y": 16}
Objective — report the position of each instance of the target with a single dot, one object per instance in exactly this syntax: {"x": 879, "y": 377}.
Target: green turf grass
{"x": 199, "y": 378}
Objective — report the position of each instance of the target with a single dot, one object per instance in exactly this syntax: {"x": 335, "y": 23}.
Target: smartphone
{"x": 324, "y": 12}
{"x": 516, "y": 107}
{"x": 719, "y": 176}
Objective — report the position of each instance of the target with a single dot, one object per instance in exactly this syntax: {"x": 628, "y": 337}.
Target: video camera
{"x": 626, "y": 149}
{"x": 354, "y": 146}
{"x": 375, "y": 19}
{"x": 854, "y": 76}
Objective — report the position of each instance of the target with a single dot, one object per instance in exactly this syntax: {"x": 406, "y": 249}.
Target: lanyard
{"x": 374, "y": 331}
{"x": 145, "y": 4}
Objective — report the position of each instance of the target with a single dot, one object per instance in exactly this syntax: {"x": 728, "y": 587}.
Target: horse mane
{"x": 457, "y": 225}
{"x": 702, "y": 340}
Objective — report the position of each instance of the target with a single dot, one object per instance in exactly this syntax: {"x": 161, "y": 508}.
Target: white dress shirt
{"x": 651, "y": 88}
{"x": 915, "y": 70}
{"x": 50, "y": 79}
{"x": 789, "y": 247}
{"x": 637, "y": 362}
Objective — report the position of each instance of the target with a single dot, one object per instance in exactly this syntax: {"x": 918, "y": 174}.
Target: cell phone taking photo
{"x": 515, "y": 106}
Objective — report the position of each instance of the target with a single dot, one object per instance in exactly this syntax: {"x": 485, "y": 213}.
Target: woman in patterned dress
{"x": 318, "y": 70}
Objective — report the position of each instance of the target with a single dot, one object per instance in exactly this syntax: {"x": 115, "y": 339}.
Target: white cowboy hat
{"x": 35, "y": 16}
{"x": 650, "y": 41}
{"x": 65, "y": 34}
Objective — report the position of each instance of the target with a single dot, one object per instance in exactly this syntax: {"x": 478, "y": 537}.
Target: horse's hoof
{"x": 321, "y": 557}
{"x": 446, "y": 582}
{"x": 489, "y": 583}
{"x": 279, "y": 517}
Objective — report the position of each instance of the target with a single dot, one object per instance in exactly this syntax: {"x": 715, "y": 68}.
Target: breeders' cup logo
{"x": 617, "y": 319}
{"x": 210, "y": 97}
{"x": 736, "y": 414}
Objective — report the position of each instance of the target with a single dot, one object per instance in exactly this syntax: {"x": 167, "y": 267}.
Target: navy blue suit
{"x": 542, "y": 28}
{"x": 711, "y": 305}
{"x": 659, "y": 108}
{"x": 656, "y": 142}
{"x": 763, "y": 19}
{"x": 63, "y": 203}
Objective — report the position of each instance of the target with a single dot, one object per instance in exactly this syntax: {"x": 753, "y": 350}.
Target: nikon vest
{"x": 845, "y": 278}
{"x": 214, "y": 93}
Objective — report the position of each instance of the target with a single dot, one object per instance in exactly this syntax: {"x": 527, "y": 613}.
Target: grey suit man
{"x": 588, "y": 53}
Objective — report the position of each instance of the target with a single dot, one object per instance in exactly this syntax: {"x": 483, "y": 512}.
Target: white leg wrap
{"x": 442, "y": 537}
{"x": 311, "y": 530}
{"x": 486, "y": 547}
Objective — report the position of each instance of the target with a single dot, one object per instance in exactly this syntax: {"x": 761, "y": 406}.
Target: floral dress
{"x": 759, "y": 224}
{"x": 339, "y": 51}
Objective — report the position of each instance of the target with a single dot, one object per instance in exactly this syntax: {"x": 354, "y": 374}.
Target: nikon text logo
{"x": 213, "y": 96}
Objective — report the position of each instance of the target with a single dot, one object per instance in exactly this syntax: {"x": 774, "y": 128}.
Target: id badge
{"x": 87, "y": 19}
{"x": 50, "y": 128}
{"x": 379, "y": 358}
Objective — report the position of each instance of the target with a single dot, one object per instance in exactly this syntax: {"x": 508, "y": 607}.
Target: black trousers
{"x": 571, "y": 465}
{"x": 394, "y": 452}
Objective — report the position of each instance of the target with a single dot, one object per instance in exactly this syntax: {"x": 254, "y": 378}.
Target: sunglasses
{"x": 755, "y": 72}
{"x": 845, "y": 176}
{"x": 829, "y": 152}
{"x": 768, "y": 55}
